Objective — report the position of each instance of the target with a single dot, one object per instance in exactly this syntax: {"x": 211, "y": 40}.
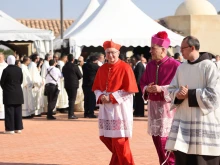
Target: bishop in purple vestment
{"x": 154, "y": 82}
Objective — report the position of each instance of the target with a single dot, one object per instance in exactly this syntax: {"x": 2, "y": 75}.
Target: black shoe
{"x": 37, "y": 115}
{"x": 138, "y": 115}
{"x": 92, "y": 116}
{"x": 28, "y": 117}
{"x": 62, "y": 110}
{"x": 72, "y": 117}
{"x": 44, "y": 113}
{"x": 86, "y": 115}
{"x": 51, "y": 118}
{"x": 96, "y": 108}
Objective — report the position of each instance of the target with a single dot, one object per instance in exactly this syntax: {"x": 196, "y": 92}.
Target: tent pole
{"x": 61, "y": 24}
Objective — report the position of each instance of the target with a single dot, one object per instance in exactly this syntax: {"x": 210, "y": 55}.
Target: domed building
{"x": 198, "y": 18}
{"x": 196, "y": 7}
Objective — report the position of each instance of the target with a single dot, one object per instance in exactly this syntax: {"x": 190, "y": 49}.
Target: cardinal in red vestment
{"x": 114, "y": 86}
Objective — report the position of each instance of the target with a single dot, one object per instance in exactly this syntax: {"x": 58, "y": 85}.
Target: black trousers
{"x": 52, "y": 96}
{"x": 89, "y": 101}
{"x": 189, "y": 159}
{"x": 72, "y": 98}
{"x": 138, "y": 104}
{"x": 13, "y": 117}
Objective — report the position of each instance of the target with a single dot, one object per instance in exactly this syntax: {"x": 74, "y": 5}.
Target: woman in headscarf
{"x": 11, "y": 81}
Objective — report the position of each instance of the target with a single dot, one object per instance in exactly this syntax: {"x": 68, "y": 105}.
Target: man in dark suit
{"x": 90, "y": 69}
{"x": 138, "y": 100}
{"x": 71, "y": 74}
{"x": 11, "y": 81}
{"x": 178, "y": 57}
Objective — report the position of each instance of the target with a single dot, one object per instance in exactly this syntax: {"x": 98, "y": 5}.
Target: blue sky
{"x": 73, "y": 8}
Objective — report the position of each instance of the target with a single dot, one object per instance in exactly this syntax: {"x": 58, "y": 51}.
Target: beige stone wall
{"x": 205, "y": 27}
{"x": 179, "y": 23}
{"x": 207, "y": 30}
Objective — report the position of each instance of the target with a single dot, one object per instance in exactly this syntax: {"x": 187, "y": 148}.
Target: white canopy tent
{"x": 119, "y": 20}
{"x": 12, "y": 30}
{"x": 92, "y": 6}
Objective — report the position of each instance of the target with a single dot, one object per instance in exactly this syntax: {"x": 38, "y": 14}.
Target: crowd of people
{"x": 183, "y": 97}
{"x": 50, "y": 84}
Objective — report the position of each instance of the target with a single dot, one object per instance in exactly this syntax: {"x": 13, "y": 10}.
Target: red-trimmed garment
{"x": 160, "y": 117}
{"x": 114, "y": 77}
{"x": 118, "y": 82}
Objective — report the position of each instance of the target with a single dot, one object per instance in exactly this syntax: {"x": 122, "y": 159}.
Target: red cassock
{"x": 111, "y": 78}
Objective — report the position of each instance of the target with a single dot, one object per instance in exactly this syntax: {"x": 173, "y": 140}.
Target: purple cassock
{"x": 161, "y": 73}
{"x": 159, "y": 115}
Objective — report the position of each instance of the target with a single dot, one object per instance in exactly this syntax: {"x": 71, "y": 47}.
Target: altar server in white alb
{"x": 3, "y": 65}
{"x": 38, "y": 83}
{"x": 62, "y": 101}
{"x": 195, "y": 132}
{"x": 27, "y": 85}
{"x": 43, "y": 74}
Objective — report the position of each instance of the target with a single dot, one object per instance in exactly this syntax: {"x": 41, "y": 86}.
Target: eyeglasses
{"x": 111, "y": 52}
{"x": 184, "y": 47}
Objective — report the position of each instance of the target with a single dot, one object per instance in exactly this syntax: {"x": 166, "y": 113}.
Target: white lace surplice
{"x": 116, "y": 120}
{"x": 160, "y": 117}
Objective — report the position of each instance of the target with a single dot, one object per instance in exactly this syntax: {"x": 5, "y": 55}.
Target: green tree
{"x": 7, "y": 52}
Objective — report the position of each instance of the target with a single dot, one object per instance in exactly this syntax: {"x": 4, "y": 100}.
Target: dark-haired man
{"x": 71, "y": 74}
{"x": 194, "y": 90}
{"x": 89, "y": 72}
{"x": 178, "y": 57}
{"x": 139, "y": 69}
{"x": 52, "y": 77}
{"x": 45, "y": 65}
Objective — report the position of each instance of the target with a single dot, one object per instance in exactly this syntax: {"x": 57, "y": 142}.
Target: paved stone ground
{"x": 65, "y": 142}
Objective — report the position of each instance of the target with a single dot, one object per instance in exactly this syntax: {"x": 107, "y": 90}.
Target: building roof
{"x": 54, "y": 24}
{"x": 49, "y": 24}
{"x": 163, "y": 23}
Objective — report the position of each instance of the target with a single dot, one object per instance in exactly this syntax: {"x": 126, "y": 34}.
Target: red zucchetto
{"x": 111, "y": 44}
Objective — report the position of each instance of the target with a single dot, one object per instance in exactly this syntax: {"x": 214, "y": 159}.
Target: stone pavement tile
{"x": 69, "y": 142}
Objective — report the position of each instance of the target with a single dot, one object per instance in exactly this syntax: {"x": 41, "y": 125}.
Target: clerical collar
{"x": 194, "y": 60}
{"x": 162, "y": 61}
